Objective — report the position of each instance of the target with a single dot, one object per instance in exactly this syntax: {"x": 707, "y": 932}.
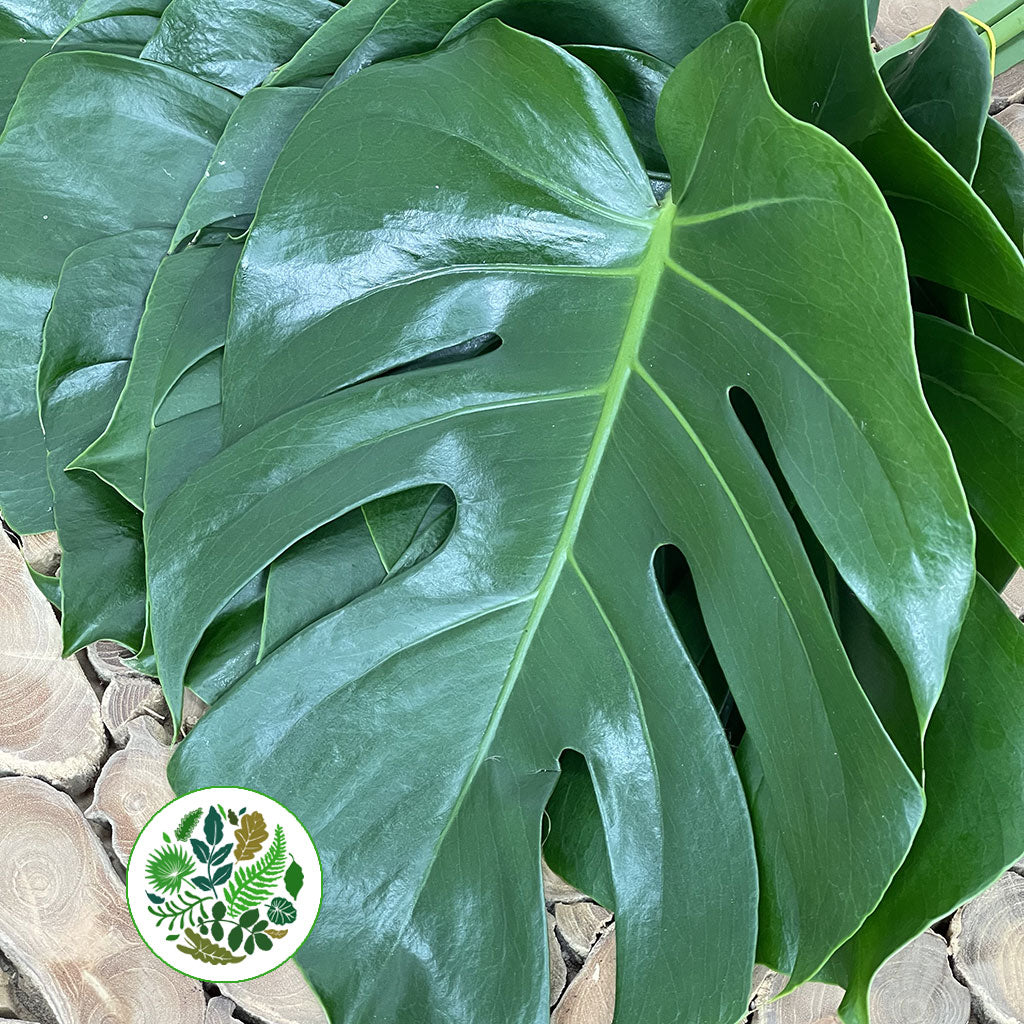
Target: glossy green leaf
{"x": 320, "y": 55}
{"x": 30, "y": 29}
{"x": 87, "y": 343}
{"x": 185, "y": 320}
{"x": 973, "y": 827}
{"x": 599, "y": 431}
{"x": 74, "y": 110}
{"x": 834, "y": 85}
{"x": 650, "y": 26}
{"x": 1000, "y": 183}
{"x": 977, "y": 394}
{"x": 97, "y": 10}
{"x": 637, "y": 80}
{"x": 238, "y": 169}
{"x": 231, "y": 43}
{"x": 943, "y": 87}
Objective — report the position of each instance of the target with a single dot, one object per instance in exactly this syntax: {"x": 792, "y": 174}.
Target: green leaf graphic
{"x": 254, "y": 883}
{"x": 208, "y": 951}
{"x": 281, "y": 911}
{"x": 187, "y": 825}
{"x": 213, "y": 827}
{"x": 168, "y": 867}
{"x": 293, "y": 879}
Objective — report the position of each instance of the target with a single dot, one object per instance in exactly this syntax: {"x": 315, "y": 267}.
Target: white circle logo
{"x": 224, "y": 884}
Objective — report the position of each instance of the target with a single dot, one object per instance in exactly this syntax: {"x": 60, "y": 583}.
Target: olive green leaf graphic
{"x": 277, "y": 933}
{"x": 281, "y": 911}
{"x": 293, "y": 878}
{"x": 188, "y": 824}
{"x": 168, "y": 867}
{"x": 208, "y": 951}
{"x": 251, "y": 836}
{"x": 254, "y": 883}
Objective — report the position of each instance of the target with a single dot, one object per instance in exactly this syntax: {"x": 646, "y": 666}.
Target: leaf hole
{"x": 679, "y": 595}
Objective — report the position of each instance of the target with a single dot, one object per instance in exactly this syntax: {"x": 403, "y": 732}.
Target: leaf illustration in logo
{"x": 253, "y": 883}
{"x": 232, "y": 817}
{"x": 262, "y": 940}
{"x": 222, "y": 874}
{"x": 201, "y": 850}
{"x": 251, "y": 836}
{"x": 277, "y": 933}
{"x": 281, "y": 911}
{"x": 235, "y": 937}
{"x": 168, "y": 867}
{"x": 220, "y": 854}
{"x": 207, "y": 951}
{"x": 293, "y": 878}
{"x": 187, "y": 825}
{"x": 213, "y": 827}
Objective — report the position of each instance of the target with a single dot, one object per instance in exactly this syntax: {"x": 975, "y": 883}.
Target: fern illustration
{"x": 254, "y": 883}
{"x": 187, "y": 825}
{"x": 174, "y": 913}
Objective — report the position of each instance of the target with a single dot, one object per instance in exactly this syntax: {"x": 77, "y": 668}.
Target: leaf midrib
{"x": 649, "y": 275}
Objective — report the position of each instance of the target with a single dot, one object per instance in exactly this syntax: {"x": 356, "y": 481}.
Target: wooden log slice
{"x": 1013, "y": 594}
{"x": 811, "y": 1003}
{"x": 558, "y": 970}
{"x": 64, "y": 922}
{"x": 916, "y": 986}
{"x": 898, "y": 18}
{"x": 51, "y": 726}
{"x": 280, "y": 997}
{"x": 42, "y": 552}
{"x": 579, "y": 925}
{"x": 590, "y": 997}
{"x": 986, "y": 939}
{"x": 133, "y": 785}
{"x": 129, "y": 696}
{"x": 220, "y": 1010}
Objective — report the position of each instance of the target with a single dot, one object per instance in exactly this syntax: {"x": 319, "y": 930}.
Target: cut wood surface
{"x": 898, "y": 18}
{"x": 220, "y": 1010}
{"x": 558, "y": 971}
{"x": 64, "y": 922}
{"x": 133, "y": 785}
{"x": 579, "y": 924}
{"x": 812, "y": 1003}
{"x": 986, "y": 938}
{"x": 107, "y": 660}
{"x": 1013, "y": 594}
{"x": 1012, "y": 119}
{"x": 51, "y": 726}
{"x": 916, "y": 986}
{"x": 42, "y": 552}
{"x": 590, "y": 997}
{"x": 280, "y": 997}
{"x": 557, "y": 889}
{"x": 128, "y": 696}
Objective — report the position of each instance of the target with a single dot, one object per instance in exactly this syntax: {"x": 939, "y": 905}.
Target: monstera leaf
{"x": 601, "y": 431}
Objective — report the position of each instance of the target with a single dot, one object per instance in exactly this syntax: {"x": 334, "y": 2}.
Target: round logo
{"x": 224, "y": 884}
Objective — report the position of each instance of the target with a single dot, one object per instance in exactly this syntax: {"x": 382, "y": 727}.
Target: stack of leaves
{"x": 509, "y": 416}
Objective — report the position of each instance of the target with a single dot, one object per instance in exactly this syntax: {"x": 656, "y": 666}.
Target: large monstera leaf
{"x": 599, "y": 432}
